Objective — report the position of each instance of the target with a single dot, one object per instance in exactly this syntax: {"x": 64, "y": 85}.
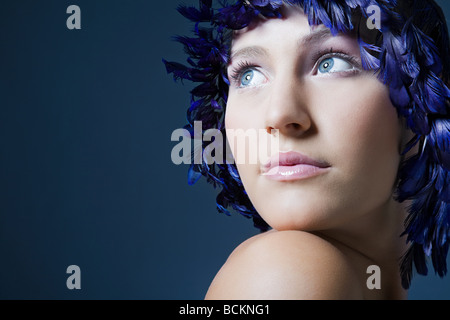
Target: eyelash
{"x": 238, "y": 71}
{"x": 330, "y": 53}
{"x": 243, "y": 66}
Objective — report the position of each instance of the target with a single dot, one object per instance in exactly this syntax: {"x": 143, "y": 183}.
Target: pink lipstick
{"x": 290, "y": 166}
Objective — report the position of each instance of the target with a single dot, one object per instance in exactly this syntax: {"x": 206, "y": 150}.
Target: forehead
{"x": 295, "y": 22}
{"x": 293, "y": 18}
{"x": 287, "y": 35}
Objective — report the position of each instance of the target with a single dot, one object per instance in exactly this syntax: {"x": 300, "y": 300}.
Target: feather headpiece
{"x": 411, "y": 56}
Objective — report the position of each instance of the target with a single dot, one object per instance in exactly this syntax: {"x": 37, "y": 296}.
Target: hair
{"x": 411, "y": 55}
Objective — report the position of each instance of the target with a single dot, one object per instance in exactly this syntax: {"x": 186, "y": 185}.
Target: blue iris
{"x": 247, "y": 77}
{"x": 326, "y": 65}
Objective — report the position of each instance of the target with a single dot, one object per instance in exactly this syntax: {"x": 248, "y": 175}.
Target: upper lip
{"x": 292, "y": 158}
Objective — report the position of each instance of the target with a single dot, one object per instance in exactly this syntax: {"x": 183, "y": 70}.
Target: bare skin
{"x": 296, "y": 265}
{"x": 329, "y": 228}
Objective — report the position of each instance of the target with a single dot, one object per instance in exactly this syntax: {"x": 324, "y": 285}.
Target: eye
{"x": 251, "y": 78}
{"x": 334, "y": 64}
{"x": 245, "y": 74}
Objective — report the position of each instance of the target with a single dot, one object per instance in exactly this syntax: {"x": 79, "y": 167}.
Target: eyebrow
{"x": 249, "y": 52}
{"x": 316, "y": 36}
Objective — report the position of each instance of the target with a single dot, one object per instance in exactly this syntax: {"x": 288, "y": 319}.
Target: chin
{"x": 304, "y": 217}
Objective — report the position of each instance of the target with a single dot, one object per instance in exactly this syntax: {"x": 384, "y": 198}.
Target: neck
{"x": 375, "y": 239}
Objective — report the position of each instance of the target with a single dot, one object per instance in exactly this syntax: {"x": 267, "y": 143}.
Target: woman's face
{"x": 310, "y": 86}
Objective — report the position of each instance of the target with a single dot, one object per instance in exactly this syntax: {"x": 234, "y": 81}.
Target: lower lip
{"x": 292, "y": 173}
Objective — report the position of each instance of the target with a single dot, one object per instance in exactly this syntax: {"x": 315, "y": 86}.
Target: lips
{"x": 288, "y": 166}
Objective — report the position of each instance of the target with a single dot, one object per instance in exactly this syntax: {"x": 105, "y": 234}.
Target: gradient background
{"x": 85, "y": 171}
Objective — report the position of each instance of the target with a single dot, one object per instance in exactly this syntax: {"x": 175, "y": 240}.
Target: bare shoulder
{"x": 285, "y": 265}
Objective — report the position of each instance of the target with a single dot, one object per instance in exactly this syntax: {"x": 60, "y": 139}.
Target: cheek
{"x": 242, "y": 111}
{"x": 371, "y": 121}
{"x": 243, "y": 125}
{"x": 243, "y": 120}
{"x": 366, "y": 132}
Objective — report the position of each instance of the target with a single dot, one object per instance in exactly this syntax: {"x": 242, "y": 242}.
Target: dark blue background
{"x": 86, "y": 177}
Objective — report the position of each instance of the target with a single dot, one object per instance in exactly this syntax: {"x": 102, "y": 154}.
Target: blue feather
{"x": 439, "y": 261}
{"x": 178, "y": 70}
{"x": 438, "y": 94}
{"x": 401, "y": 98}
{"x": 411, "y": 184}
{"x": 234, "y": 173}
{"x": 417, "y": 120}
{"x": 440, "y": 141}
{"x": 369, "y": 62}
{"x": 193, "y": 14}
{"x": 194, "y": 174}
{"x": 442, "y": 183}
{"x": 420, "y": 261}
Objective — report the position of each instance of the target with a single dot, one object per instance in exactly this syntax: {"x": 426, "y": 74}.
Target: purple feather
{"x": 194, "y": 174}
{"x": 442, "y": 182}
{"x": 236, "y": 17}
{"x": 193, "y": 14}
{"x": 369, "y": 62}
{"x": 400, "y": 97}
{"x": 417, "y": 120}
{"x": 178, "y": 70}
{"x": 411, "y": 184}
{"x": 422, "y": 47}
{"x": 439, "y": 139}
{"x": 216, "y": 105}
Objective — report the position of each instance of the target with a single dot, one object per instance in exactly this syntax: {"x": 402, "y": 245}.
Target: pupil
{"x": 326, "y": 65}
{"x": 247, "y": 77}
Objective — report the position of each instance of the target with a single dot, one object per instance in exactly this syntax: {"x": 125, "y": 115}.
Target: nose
{"x": 287, "y": 107}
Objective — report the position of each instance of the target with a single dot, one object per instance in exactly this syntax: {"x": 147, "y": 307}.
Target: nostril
{"x": 269, "y": 130}
{"x": 296, "y": 126}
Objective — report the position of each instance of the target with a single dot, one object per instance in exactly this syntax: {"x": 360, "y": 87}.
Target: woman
{"x": 355, "y": 92}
